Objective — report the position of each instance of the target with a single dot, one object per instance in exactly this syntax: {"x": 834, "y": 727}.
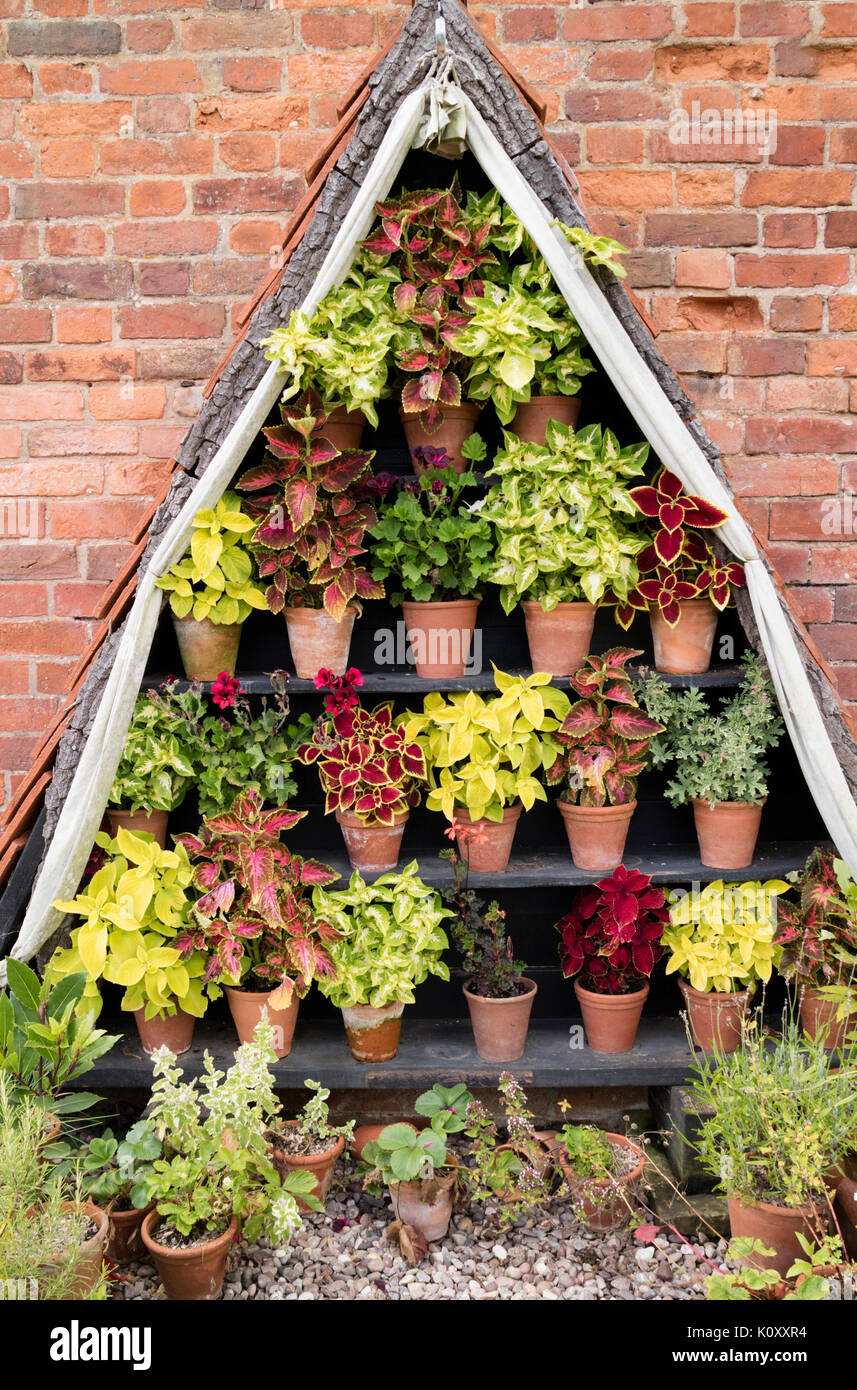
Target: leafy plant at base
{"x": 389, "y": 939}
{"x": 115, "y": 1173}
{"x": 721, "y": 937}
{"x": 612, "y": 935}
{"x": 588, "y": 1151}
{"x": 310, "y": 521}
{"x": 479, "y": 933}
{"x": 715, "y": 757}
{"x": 254, "y": 923}
{"x": 445, "y": 1107}
{"x": 564, "y": 518}
{"x": 519, "y": 1172}
{"x": 488, "y": 751}
{"x": 429, "y": 541}
{"x": 311, "y": 1125}
{"x": 403, "y": 1154}
{"x": 750, "y": 1282}
{"x": 217, "y": 1165}
{"x": 216, "y": 579}
{"x": 818, "y": 934}
{"x": 134, "y": 908}
{"x": 604, "y": 738}
{"x": 343, "y": 350}
{"x": 156, "y": 769}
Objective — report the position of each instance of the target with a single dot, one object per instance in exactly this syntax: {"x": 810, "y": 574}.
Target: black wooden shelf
{"x": 429, "y": 1050}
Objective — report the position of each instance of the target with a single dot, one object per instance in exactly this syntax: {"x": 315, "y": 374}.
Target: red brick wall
{"x": 149, "y": 157}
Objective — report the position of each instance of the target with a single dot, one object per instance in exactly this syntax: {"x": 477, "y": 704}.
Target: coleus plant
{"x": 254, "y": 920}
{"x": 311, "y": 514}
{"x": 438, "y": 254}
{"x": 612, "y": 935}
{"x": 818, "y": 933}
{"x": 605, "y": 736}
{"x": 366, "y": 763}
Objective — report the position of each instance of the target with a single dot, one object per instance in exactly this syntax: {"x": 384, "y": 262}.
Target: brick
{"x": 86, "y": 239}
{"x": 796, "y": 188}
{"x": 188, "y": 360}
{"x": 765, "y": 20}
{"x": 151, "y": 77}
{"x": 839, "y": 21}
{"x": 228, "y": 277}
{"x": 21, "y": 601}
{"x": 610, "y": 22}
{"x": 101, "y": 518}
{"x": 172, "y": 321}
{"x": 163, "y": 115}
{"x": 834, "y": 564}
{"x": 713, "y": 63}
{"x": 335, "y": 75}
{"x": 8, "y": 287}
{"x": 842, "y": 313}
{"x": 187, "y": 401}
{"x": 184, "y": 154}
{"x": 335, "y": 30}
{"x": 701, "y": 229}
{"x": 813, "y": 605}
{"x": 843, "y": 145}
{"x": 25, "y": 714}
{"x": 36, "y": 201}
{"x": 798, "y": 144}
{"x": 149, "y": 35}
{"x": 17, "y": 752}
{"x": 161, "y": 441}
{"x": 705, "y": 187}
{"x": 21, "y": 558}
{"x": 790, "y": 271}
{"x": 66, "y": 157}
{"x": 190, "y": 238}
{"x": 157, "y": 198}
{"x": 845, "y": 605}
{"x": 25, "y": 325}
{"x": 680, "y": 146}
{"x": 707, "y": 314}
{"x": 253, "y": 74}
{"x": 127, "y": 401}
{"x": 64, "y": 38}
{"x": 766, "y": 357}
{"x": 45, "y": 442}
{"x": 52, "y": 677}
{"x": 731, "y": 395}
{"x": 255, "y": 238}
{"x": 837, "y": 641}
{"x": 533, "y": 24}
{"x": 76, "y": 118}
{"x": 17, "y": 243}
{"x": 822, "y": 64}
{"x": 79, "y": 280}
{"x": 801, "y": 435}
{"x": 620, "y": 64}
{"x": 53, "y": 636}
{"x": 88, "y": 325}
{"x": 784, "y": 477}
{"x": 41, "y": 403}
{"x": 630, "y": 189}
{"x": 16, "y": 80}
{"x": 251, "y": 113}
{"x": 10, "y": 442}
{"x": 832, "y": 357}
{"x": 614, "y": 145}
{"x": 694, "y": 352}
{"x": 77, "y": 600}
{"x": 103, "y": 561}
{"x": 164, "y": 278}
{"x": 63, "y": 77}
{"x": 728, "y": 435}
{"x": 79, "y": 364}
{"x": 709, "y": 20}
{"x": 781, "y": 229}
{"x": 245, "y": 195}
{"x": 648, "y": 268}
{"x": 793, "y": 314}
{"x": 50, "y": 477}
{"x": 133, "y": 478}
{"x": 807, "y": 393}
{"x": 15, "y": 677}
{"x": 791, "y": 562}
{"x": 249, "y": 151}
{"x": 840, "y": 229}
{"x": 260, "y": 29}
{"x": 11, "y": 368}
{"x": 627, "y": 103}
{"x": 704, "y": 269}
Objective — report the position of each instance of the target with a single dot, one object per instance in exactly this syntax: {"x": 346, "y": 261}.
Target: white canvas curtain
{"x": 636, "y": 384}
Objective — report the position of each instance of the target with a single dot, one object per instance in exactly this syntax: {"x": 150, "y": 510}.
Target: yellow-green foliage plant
{"x": 136, "y": 914}
{"x": 721, "y": 938}
{"x": 487, "y": 752}
{"x": 216, "y": 578}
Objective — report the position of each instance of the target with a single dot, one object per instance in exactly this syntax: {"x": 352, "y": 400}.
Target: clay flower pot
{"x": 530, "y": 420}
{"x": 175, "y": 1031}
{"x": 365, "y": 1134}
{"x": 320, "y": 1165}
{"x": 500, "y": 1025}
{"x": 686, "y": 648}
{"x": 373, "y": 1034}
{"x": 716, "y": 1019}
{"x": 459, "y": 421}
{"x": 372, "y": 848}
{"x": 559, "y": 640}
{"x": 727, "y": 832}
{"x": 195, "y": 1274}
{"x": 344, "y": 428}
{"x": 427, "y": 1204}
{"x": 777, "y": 1228}
{"x": 544, "y": 1161}
{"x": 597, "y": 834}
{"x": 593, "y": 1198}
{"x": 440, "y": 635}
{"x": 140, "y": 822}
{"x": 207, "y": 648}
{"x": 318, "y": 642}
{"x": 818, "y": 1016}
{"x": 490, "y": 853}
{"x": 610, "y": 1020}
{"x": 125, "y": 1242}
{"x": 246, "y": 1008}
{"x": 87, "y": 1268}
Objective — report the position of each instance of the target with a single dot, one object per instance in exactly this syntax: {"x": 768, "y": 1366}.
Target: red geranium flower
{"x": 224, "y": 690}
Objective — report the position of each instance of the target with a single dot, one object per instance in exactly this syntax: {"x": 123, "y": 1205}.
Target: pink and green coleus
{"x": 679, "y": 564}
{"x": 255, "y": 918}
{"x": 605, "y": 735}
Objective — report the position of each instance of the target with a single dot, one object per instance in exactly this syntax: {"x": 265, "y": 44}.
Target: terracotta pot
{"x": 530, "y": 420}
{"x": 364, "y": 1134}
{"x": 559, "y": 640}
{"x": 318, "y": 642}
{"x": 207, "y": 648}
{"x": 459, "y": 421}
{"x": 592, "y": 1198}
{"x": 140, "y": 823}
{"x": 344, "y": 428}
{"x": 610, "y": 1020}
{"x": 125, "y": 1242}
{"x": 490, "y": 855}
{"x": 716, "y": 1019}
{"x": 440, "y": 635}
{"x": 192, "y": 1275}
{"x": 543, "y": 1162}
{"x": 246, "y": 1008}
{"x": 175, "y": 1031}
{"x": 500, "y": 1025}
{"x": 53, "y": 1125}
{"x": 372, "y": 848}
{"x": 727, "y": 832}
{"x": 777, "y": 1228}
{"x": 818, "y": 1016}
{"x": 427, "y": 1205}
{"x": 596, "y": 834}
{"x": 87, "y": 1268}
{"x": 373, "y": 1034}
{"x": 686, "y": 648}
{"x": 320, "y": 1165}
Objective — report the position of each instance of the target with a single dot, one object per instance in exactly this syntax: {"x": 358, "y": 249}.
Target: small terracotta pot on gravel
{"x": 596, "y": 834}
{"x": 372, "y": 848}
{"x": 321, "y": 1165}
{"x": 685, "y": 650}
{"x": 427, "y": 1205}
{"x": 500, "y": 1025}
{"x": 194, "y": 1274}
{"x": 319, "y": 642}
{"x": 727, "y": 832}
{"x": 560, "y": 639}
{"x": 777, "y": 1228}
{"x": 125, "y": 1242}
{"x": 594, "y": 1198}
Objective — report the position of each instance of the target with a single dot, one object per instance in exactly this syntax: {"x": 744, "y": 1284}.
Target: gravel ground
{"x": 343, "y": 1254}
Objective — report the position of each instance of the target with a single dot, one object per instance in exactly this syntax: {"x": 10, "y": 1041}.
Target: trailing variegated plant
{"x": 604, "y": 737}
{"x": 254, "y": 920}
{"x": 311, "y": 515}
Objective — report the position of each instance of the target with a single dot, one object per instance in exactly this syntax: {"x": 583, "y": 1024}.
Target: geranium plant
{"x": 818, "y": 933}
{"x": 721, "y": 937}
{"x": 612, "y": 935}
{"x": 157, "y": 768}
{"x": 217, "y": 578}
{"x": 564, "y": 517}
{"x": 389, "y": 938}
{"x": 310, "y": 523}
{"x": 254, "y": 922}
{"x": 605, "y": 736}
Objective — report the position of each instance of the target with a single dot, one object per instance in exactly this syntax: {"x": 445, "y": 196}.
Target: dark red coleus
{"x": 675, "y": 511}
{"x": 365, "y": 764}
{"x": 611, "y": 937}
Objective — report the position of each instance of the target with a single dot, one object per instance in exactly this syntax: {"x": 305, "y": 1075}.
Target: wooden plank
{"x": 26, "y": 812}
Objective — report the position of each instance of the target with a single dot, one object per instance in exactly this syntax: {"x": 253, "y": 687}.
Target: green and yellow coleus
{"x": 721, "y": 938}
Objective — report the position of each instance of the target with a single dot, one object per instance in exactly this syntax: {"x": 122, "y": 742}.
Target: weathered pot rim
{"x": 309, "y": 1160}
{"x": 533, "y": 605}
{"x": 548, "y": 396}
{"x": 449, "y": 1169}
{"x": 617, "y": 1179}
{"x": 509, "y": 813}
{"x": 347, "y": 818}
{"x": 131, "y": 1214}
{"x": 611, "y": 1001}
{"x": 190, "y": 621}
{"x": 463, "y": 409}
{"x": 379, "y": 1009}
{"x": 597, "y": 812}
{"x": 253, "y": 993}
{"x": 687, "y": 989}
{"x": 321, "y": 612}
{"x": 445, "y": 603}
{"x": 702, "y": 602}
{"x": 806, "y": 1212}
{"x": 529, "y": 993}
{"x": 720, "y": 805}
{"x": 193, "y": 1251}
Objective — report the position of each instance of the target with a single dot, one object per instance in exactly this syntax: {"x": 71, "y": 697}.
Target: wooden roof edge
{"x": 26, "y": 812}
{"x": 9, "y": 857}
